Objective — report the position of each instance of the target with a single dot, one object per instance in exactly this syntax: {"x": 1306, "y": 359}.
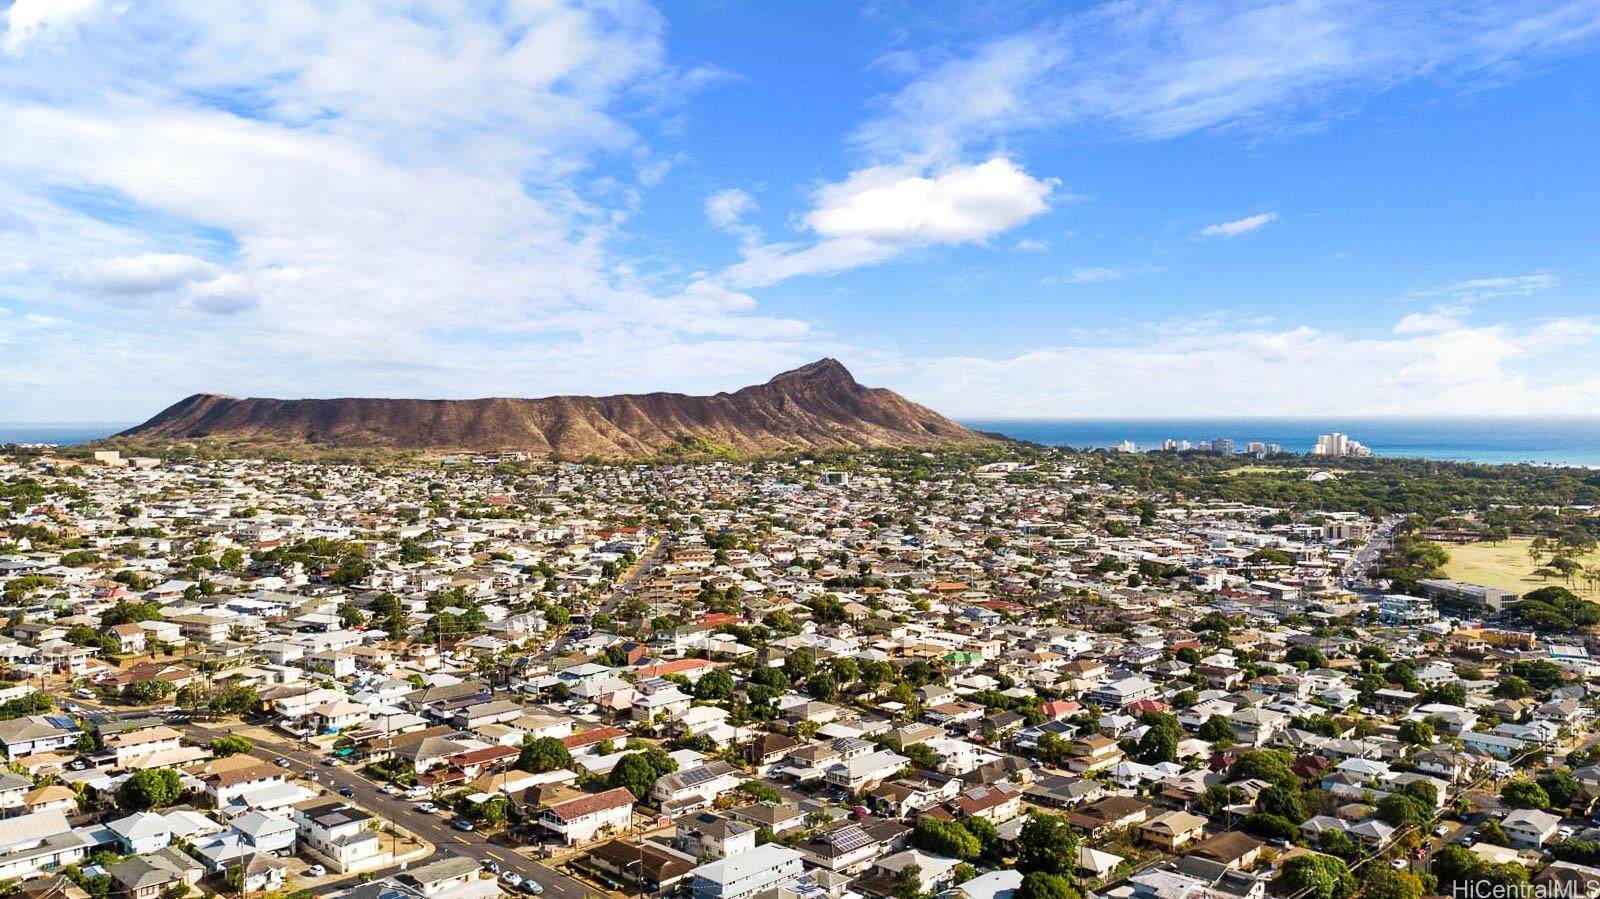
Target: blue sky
{"x": 1010, "y": 209}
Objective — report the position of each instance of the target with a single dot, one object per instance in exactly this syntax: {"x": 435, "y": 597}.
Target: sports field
{"x": 1507, "y": 565}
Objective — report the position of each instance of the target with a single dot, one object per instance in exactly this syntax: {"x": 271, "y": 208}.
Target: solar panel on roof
{"x": 850, "y": 839}
{"x": 697, "y": 776}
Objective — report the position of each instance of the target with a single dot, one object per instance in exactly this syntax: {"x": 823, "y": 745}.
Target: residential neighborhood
{"x": 911, "y": 675}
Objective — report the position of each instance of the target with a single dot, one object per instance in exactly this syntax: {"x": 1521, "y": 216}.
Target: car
{"x": 281, "y": 762}
{"x": 463, "y": 825}
{"x": 512, "y": 878}
{"x": 346, "y": 792}
{"x": 77, "y": 764}
{"x": 426, "y": 808}
{"x": 1441, "y": 830}
{"x": 83, "y": 693}
{"x": 1280, "y": 842}
{"x": 315, "y": 871}
{"x": 330, "y": 762}
{"x": 491, "y": 866}
{"x": 1466, "y": 842}
{"x": 1398, "y": 864}
{"x": 532, "y": 887}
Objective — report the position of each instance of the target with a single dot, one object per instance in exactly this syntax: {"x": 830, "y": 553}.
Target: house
{"x": 997, "y": 803}
{"x": 1093, "y": 753}
{"x": 650, "y": 868}
{"x": 851, "y": 847}
{"x": 1232, "y": 848}
{"x": 53, "y": 796}
{"x": 587, "y": 818}
{"x": 692, "y": 788}
{"x": 228, "y": 778}
{"x": 37, "y": 733}
{"x": 40, "y": 841}
{"x": 141, "y": 833}
{"x": 136, "y": 744}
{"x": 130, "y": 638}
{"x": 1122, "y": 693}
{"x": 866, "y": 771}
{"x": 1530, "y": 828}
{"x": 712, "y": 835}
{"x": 1173, "y": 830}
{"x": 767, "y": 867}
{"x": 1112, "y": 813}
{"x": 443, "y": 875}
{"x": 154, "y": 874}
{"x": 340, "y": 836}
{"x": 779, "y": 819}
{"x": 14, "y": 789}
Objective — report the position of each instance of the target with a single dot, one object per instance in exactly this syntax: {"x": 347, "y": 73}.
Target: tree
{"x": 544, "y": 754}
{"x": 1318, "y": 876}
{"x": 1264, "y": 764}
{"x": 1417, "y": 733}
{"x": 1217, "y": 731}
{"x": 1513, "y": 687}
{"x": 350, "y": 616}
{"x": 1383, "y": 882}
{"x": 946, "y": 838}
{"x": 1561, "y": 788}
{"x": 635, "y": 773}
{"x": 1402, "y": 811}
{"x": 1525, "y": 794}
{"x": 1281, "y": 801}
{"x": 1490, "y": 831}
{"x": 714, "y": 685}
{"x": 1047, "y": 845}
{"x": 907, "y": 883}
{"x": 799, "y": 664}
{"x": 230, "y": 745}
{"x": 1160, "y": 742}
{"x": 1272, "y": 827}
{"x": 147, "y": 691}
{"x": 1041, "y": 885}
{"x": 148, "y": 789}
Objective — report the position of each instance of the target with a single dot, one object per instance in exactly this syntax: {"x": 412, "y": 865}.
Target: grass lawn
{"x": 1507, "y": 565}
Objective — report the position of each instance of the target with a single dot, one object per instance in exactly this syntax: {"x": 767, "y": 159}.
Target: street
{"x": 433, "y": 827}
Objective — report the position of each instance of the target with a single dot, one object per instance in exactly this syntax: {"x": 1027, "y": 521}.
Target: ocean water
{"x": 1550, "y": 441}
{"x": 60, "y": 433}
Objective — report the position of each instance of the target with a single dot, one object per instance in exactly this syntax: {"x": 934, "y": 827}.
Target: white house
{"x": 581, "y": 820}
{"x": 763, "y": 868}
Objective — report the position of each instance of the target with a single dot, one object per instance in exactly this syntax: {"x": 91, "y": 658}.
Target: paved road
{"x": 641, "y": 570}
{"x": 434, "y": 828}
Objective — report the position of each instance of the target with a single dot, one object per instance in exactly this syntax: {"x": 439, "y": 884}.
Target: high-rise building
{"x": 1223, "y": 445}
{"x": 1338, "y": 445}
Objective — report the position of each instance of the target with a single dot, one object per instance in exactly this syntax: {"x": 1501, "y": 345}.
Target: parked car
{"x": 532, "y": 887}
{"x": 281, "y": 762}
{"x": 426, "y": 808}
{"x": 315, "y": 871}
{"x": 512, "y": 878}
{"x": 1441, "y": 830}
{"x": 1398, "y": 864}
{"x": 492, "y": 866}
{"x": 330, "y": 761}
{"x": 390, "y": 790}
{"x": 462, "y": 824}
{"x": 346, "y": 792}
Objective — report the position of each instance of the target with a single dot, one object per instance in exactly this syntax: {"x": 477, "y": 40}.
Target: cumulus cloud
{"x": 961, "y": 204}
{"x": 1250, "y": 370}
{"x": 1462, "y": 296}
{"x": 144, "y": 273}
{"x": 1238, "y": 227}
{"x": 883, "y": 212}
{"x": 30, "y": 22}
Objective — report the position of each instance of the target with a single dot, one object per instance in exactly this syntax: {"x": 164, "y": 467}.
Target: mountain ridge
{"x": 815, "y": 406}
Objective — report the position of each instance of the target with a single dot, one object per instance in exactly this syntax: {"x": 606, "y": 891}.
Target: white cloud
{"x": 30, "y": 22}
{"x": 144, "y": 273}
{"x": 1030, "y": 245}
{"x": 1087, "y": 274}
{"x": 1233, "y": 369}
{"x": 1476, "y": 290}
{"x": 1463, "y": 296}
{"x": 1239, "y": 226}
{"x": 1157, "y": 70}
{"x": 726, "y": 208}
{"x": 348, "y": 167}
{"x": 961, "y": 204}
{"x": 883, "y": 212}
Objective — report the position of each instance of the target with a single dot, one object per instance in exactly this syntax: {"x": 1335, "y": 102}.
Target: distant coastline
{"x": 1544, "y": 441}
{"x": 59, "y": 433}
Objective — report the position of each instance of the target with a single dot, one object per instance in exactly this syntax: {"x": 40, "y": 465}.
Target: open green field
{"x": 1507, "y": 565}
